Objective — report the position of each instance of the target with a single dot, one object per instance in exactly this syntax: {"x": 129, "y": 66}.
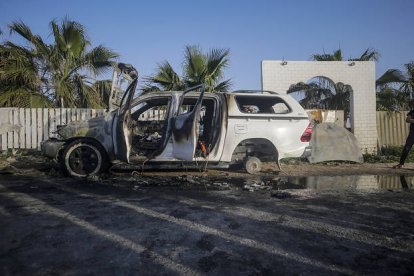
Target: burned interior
{"x": 149, "y": 126}
{"x": 208, "y": 123}
{"x": 151, "y": 131}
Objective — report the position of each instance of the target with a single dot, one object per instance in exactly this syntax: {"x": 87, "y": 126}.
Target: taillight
{"x": 307, "y": 134}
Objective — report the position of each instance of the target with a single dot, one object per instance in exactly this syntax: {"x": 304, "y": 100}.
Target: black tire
{"x": 84, "y": 157}
{"x": 252, "y": 165}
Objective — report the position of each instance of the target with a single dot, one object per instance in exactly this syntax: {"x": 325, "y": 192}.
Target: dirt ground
{"x": 215, "y": 222}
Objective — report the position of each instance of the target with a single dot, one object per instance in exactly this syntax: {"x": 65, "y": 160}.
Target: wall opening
{"x": 321, "y": 92}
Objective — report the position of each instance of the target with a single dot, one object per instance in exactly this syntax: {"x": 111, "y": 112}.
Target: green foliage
{"x": 323, "y": 94}
{"x": 389, "y": 154}
{"x": 391, "y": 99}
{"x": 198, "y": 68}
{"x": 395, "y": 88}
{"x": 60, "y": 74}
{"x": 369, "y": 54}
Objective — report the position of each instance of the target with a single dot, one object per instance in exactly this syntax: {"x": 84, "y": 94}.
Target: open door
{"x": 185, "y": 127}
{"x": 122, "y": 77}
{"x": 122, "y": 132}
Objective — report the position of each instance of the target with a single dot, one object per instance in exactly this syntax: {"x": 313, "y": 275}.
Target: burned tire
{"x": 252, "y": 165}
{"x": 84, "y": 157}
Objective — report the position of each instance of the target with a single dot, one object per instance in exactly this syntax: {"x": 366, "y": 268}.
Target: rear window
{"x": 262, "y": 105}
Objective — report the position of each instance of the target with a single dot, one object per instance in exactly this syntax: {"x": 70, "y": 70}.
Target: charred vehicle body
{"x": 167, "y": 130}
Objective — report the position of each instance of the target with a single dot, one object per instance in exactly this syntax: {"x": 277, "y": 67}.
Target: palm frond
{"x": 148, "y": 87}
{"x": 22, "y": 97}
{"x": 391, "y": 76}
{"x": 223, "y": 86}
{"x": 103, "y": 87}
{"x": 336, "y": 56}
{"x": 100, "y": 59}
{"x": 24, "y": 31}
{"x": 368, "y": 55}
{"x": 217, "y": 61}
{"x": 17, "y": 67}
{"x": 194, "y": 65}
{"x": 166, "y": 77}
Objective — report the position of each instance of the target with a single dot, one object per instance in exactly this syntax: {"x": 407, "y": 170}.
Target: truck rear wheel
{"x": 252, "y": 165}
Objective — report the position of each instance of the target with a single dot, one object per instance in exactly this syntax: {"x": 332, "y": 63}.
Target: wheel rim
{"x": 83, "y": 160}
{"x": 253, "y": 165}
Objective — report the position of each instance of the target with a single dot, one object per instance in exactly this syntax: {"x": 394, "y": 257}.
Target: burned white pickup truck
{"x": 173, "y": 130}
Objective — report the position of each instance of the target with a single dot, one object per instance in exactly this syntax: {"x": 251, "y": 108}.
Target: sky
{"x": 146, "y": 33}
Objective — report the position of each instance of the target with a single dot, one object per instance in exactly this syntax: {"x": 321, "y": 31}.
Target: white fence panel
{"x": 26, "y": 128}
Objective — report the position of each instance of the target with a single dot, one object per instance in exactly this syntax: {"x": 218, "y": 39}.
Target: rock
{"x": 11, "y": 159}
{"x": 252, "y": 185}
{"x": 281, "y": 195}
{"x": 93, "y": 178}
{"x": 53, "y": 173}
{"x": 221, "y": 185}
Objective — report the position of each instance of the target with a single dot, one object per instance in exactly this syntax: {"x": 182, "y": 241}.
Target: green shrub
{"x": 388, "y": 154}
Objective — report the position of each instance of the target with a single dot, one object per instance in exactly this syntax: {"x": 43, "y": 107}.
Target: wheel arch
{"x": 262, "y": 148}
{"x": 100, "y": 163}
{"x": 91, "y": 140}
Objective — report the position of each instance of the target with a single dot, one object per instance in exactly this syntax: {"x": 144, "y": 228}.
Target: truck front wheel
{"x": 83, "y": 157}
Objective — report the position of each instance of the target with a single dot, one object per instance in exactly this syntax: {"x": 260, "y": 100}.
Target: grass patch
{"x": 389, "y": 154}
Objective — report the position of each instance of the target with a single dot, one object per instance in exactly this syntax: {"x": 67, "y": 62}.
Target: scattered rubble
{"x": 253, "y": 185}
{"x": 281, "y": 194}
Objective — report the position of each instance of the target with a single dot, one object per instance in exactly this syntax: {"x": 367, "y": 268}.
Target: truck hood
{"x": 98, "y": 128}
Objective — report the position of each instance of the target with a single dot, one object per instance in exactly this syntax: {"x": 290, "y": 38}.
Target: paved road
{"x": 68, "y": 226}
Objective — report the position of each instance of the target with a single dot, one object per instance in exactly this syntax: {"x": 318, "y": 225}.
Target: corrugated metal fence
{"x": 25, "y": 128}
{"x": 392, "y": 128}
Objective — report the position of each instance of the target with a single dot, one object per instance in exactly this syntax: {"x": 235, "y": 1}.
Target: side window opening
{"x": 206, "y": 135}
{"x": 262, "y": 105}
{"x": 281, "y": 108}
{"x": 149, "y": 125}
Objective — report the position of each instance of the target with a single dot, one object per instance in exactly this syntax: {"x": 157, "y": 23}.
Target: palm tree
{"x": 395, "y": 88}
{"x": 323, "y": 94}
{"x": 368, "y": 55}
{"x": 340, "y": 99}
{"x": 198, "y": 68}
{"x": 310, "y": 94}
{"x": 20, "y": 81}
{"x": 391, "y": 99}
{"x": 61, "y": 73}
{"x": 336, "y": 56}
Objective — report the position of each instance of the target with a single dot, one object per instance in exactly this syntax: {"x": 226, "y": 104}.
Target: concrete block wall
{"x": 278, "y": 75}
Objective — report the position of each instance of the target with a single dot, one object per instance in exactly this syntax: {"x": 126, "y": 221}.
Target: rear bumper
{"x": 51, "y": 147}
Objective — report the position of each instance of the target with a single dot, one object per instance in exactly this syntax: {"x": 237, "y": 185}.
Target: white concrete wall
{"x": 279, "y": 76}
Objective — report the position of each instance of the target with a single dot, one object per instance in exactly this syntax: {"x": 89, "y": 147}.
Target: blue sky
{"x": 146, "y": 33}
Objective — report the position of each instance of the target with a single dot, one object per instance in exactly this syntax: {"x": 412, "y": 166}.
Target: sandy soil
{"x": 215, "y": 222}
